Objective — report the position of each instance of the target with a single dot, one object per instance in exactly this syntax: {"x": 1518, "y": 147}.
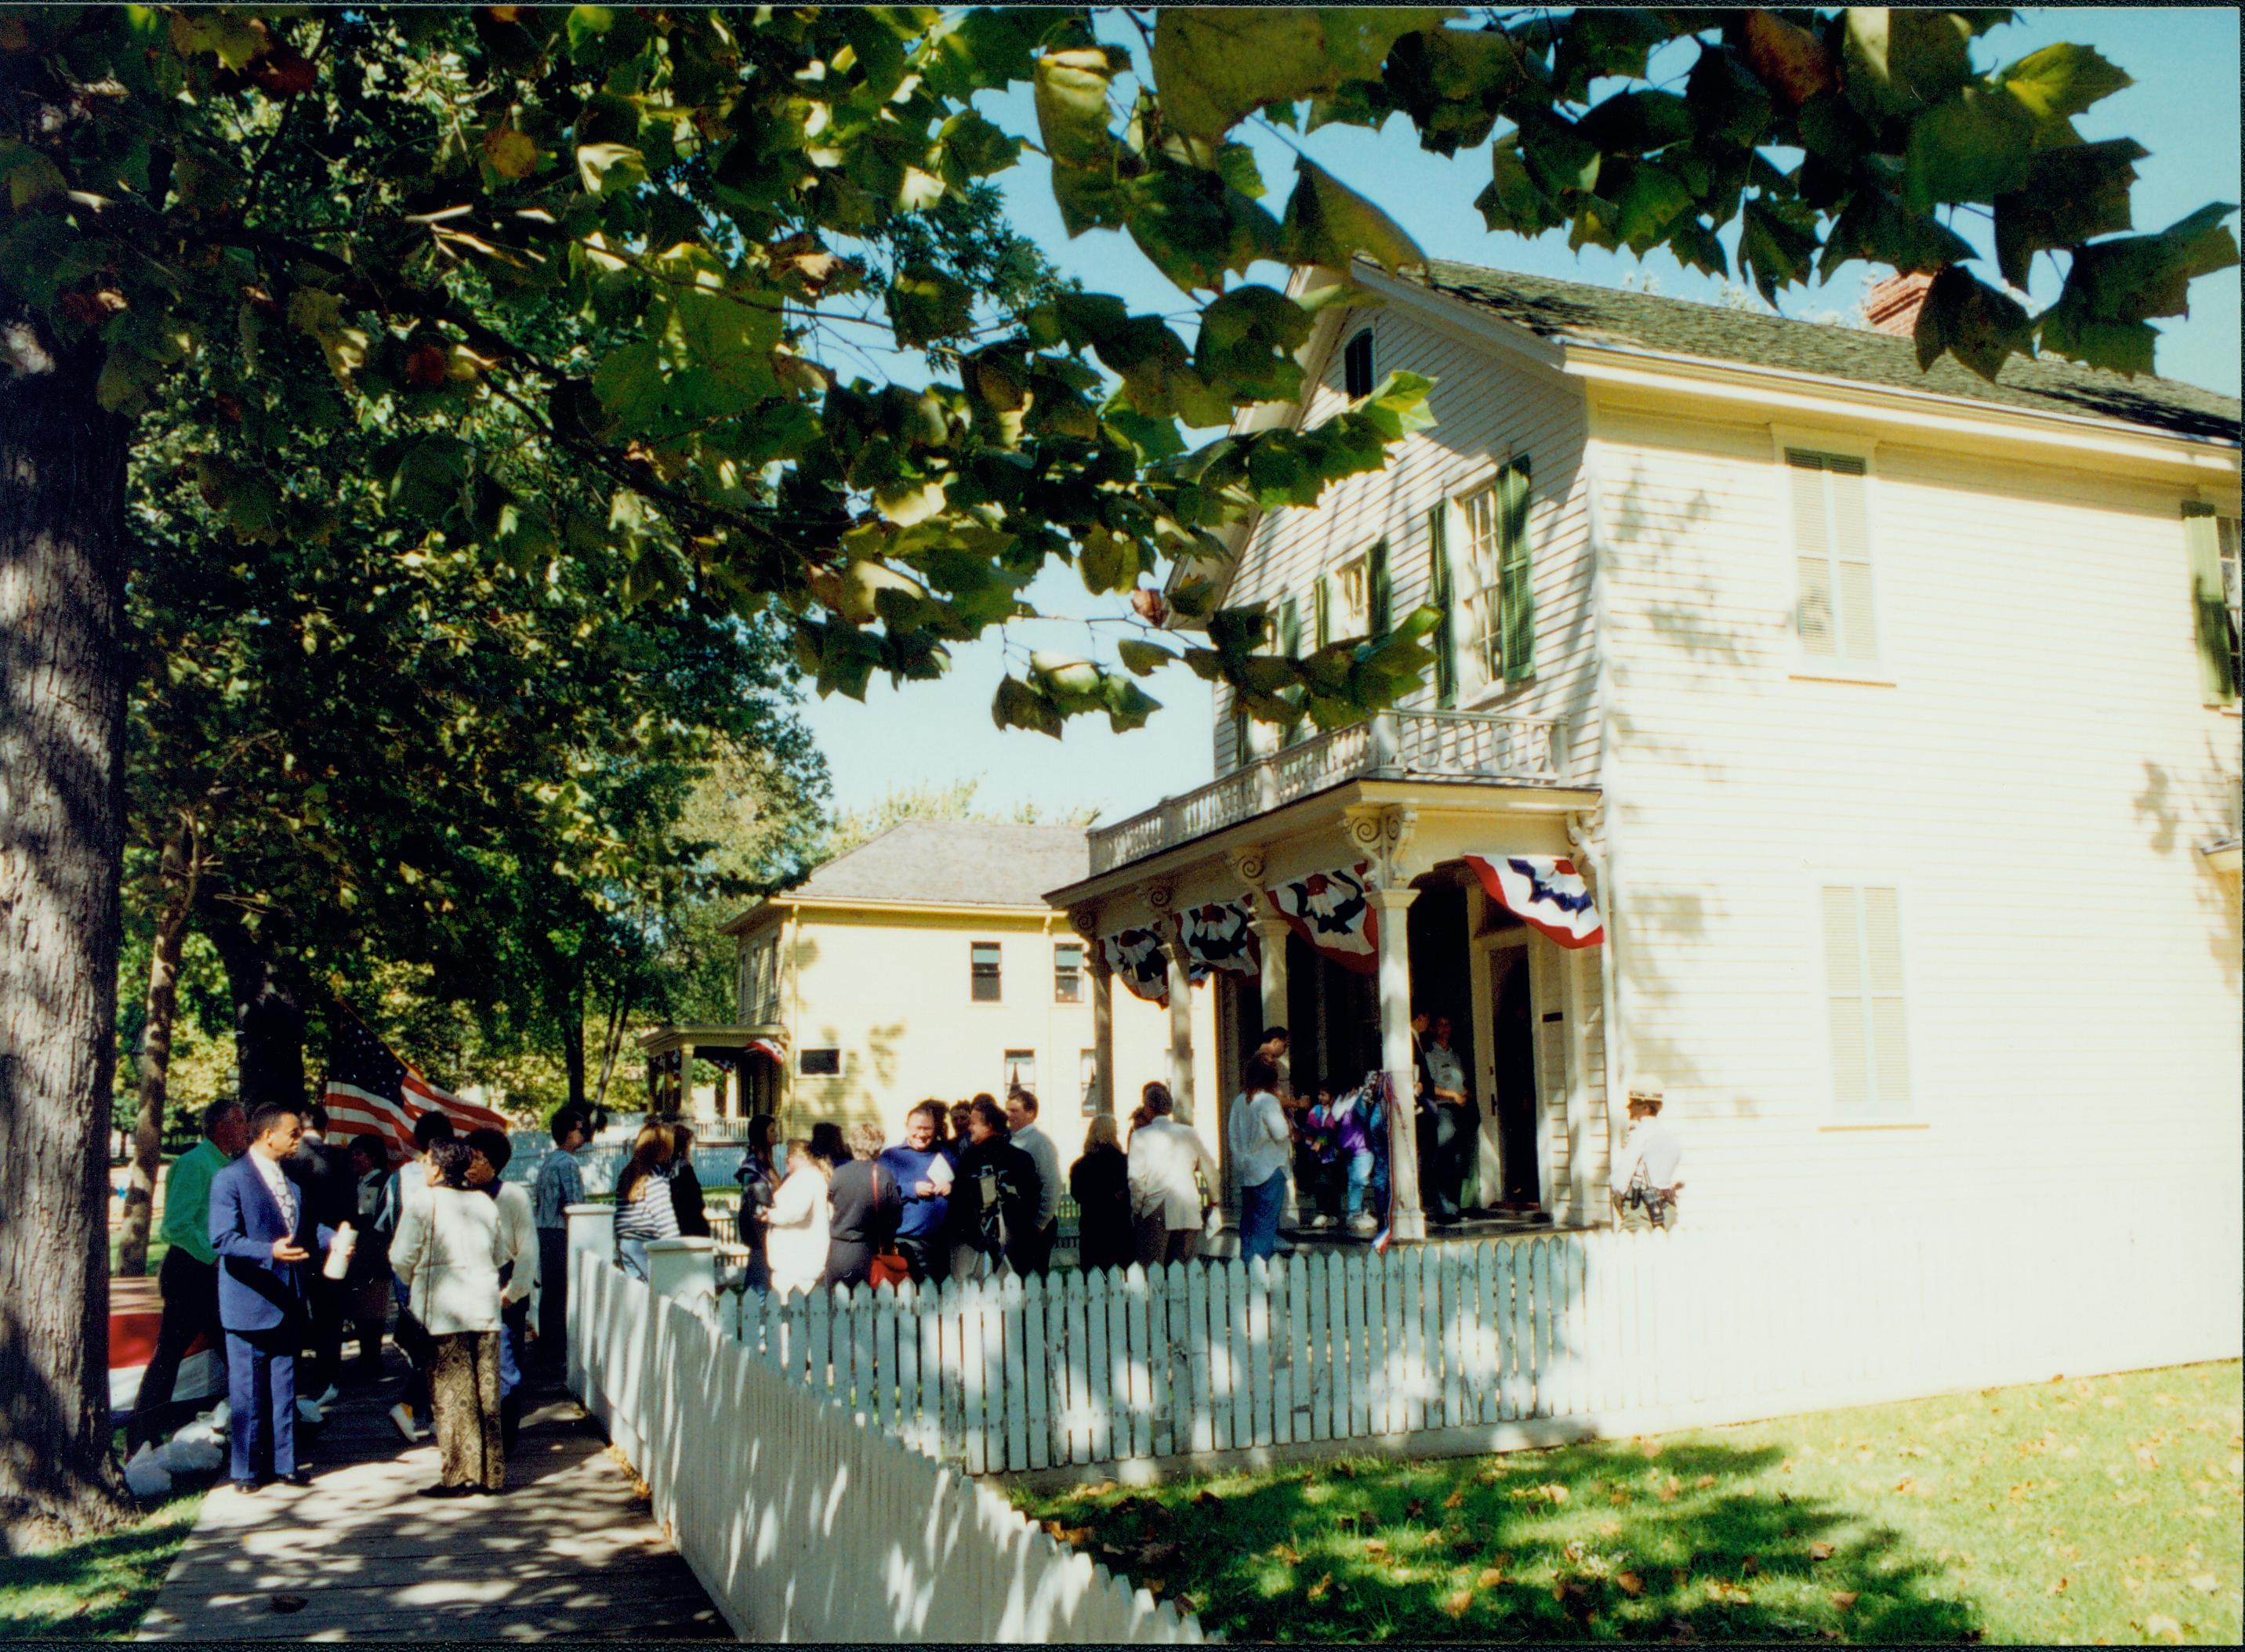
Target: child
{"x": 1320, "y": 1165}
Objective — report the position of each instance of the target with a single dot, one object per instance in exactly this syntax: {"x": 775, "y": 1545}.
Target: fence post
{"x": 685, "y": 1270}
{"x": 592, "y": 1227}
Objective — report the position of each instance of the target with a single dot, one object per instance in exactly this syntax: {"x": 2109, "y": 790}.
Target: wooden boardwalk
{"x": 567, "y": 1551}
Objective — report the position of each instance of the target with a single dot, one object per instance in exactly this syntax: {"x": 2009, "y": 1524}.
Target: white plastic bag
{"x": 218, "y": 1415}
{"x": 201, "y": 1431}
{"x": 146, "y": 1475}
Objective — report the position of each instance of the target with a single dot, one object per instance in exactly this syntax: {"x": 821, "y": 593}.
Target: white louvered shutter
{"x": 1832, "y": 545}
{"x": 1812, "y": 540}
{"x": 1864, "y": 1000}
{"x": 1844, "y": 988}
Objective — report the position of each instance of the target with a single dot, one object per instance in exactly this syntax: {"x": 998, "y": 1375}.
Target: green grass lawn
{"x": 97, "y": 1588}
{"x": 2104, "y": 1509}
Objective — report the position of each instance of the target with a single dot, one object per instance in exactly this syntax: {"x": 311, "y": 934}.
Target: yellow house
{"x": 928, "y": 963}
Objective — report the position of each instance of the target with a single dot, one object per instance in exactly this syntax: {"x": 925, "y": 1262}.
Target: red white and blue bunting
{"x": 1328, "y": 910}
{"x": 1544, "y": 892}
{"x": 1221, "y": 936}
{"x": 1135, "y": 958}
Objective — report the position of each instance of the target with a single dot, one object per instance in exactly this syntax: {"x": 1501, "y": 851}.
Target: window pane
{"x": 1021, "y": 1070}
{"x": 1087, "y": 1075}
{"x": 1067, "y": 974}
{"x": 985, "y": 960}
{"x": 818, "y": 1063}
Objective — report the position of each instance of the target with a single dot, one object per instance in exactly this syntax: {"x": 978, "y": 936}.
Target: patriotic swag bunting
{"x": 1329, "y": 910}
{"x": 371, "y": 1088}
{"x": 1135, "y": 956}
{"x": 1221, "y": 936}
{"x": 1544, "y": 892}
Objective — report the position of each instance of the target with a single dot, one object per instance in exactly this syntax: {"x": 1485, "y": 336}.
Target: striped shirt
{"x": 649, "y": 1214}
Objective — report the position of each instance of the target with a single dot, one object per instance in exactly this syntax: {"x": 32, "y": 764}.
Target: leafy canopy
{"x": 653, "y": 233}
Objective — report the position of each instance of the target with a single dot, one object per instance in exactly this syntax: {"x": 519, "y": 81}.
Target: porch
{"x": 751, "y": 1060}
{"x": 1338, "y": 886}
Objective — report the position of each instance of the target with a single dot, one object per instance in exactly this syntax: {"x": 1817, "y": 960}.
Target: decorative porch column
{"x": 1085, "y": 919}
{"x": 1181, "y": 1047}
{"x": 1270, "y": 932}
{"x": 1382, "y": 834}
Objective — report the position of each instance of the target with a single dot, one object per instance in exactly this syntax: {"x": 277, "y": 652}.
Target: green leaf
{"x": 1651, "y": 200}
{"x": 2061, "y": 81}
{"x": 906, "y": 503}
{"x": 587, "y": 25}
{"x": 2115, "y": 287}
{"x": 1247, "y": 342}
{"x": 1972, "y": 148}
{"x": 1108, "y": 561}
{"x": 926, "y": 303}
{"x": 2071, "y": 195}
{"x": 1143, "y": 658}
{"x": 1637, "y": 123}
{"x": 608, "y": 169}
{"x": 1194, "y": 226}
{"x": 1972, "y": 322}
{"x": 1071, "y": 103}
{"x": 1128, "y": 705}
{"x": 1329, "y": 223}
{"x": 1020, "y": 706}
{"x": 1514, "y": 201}
{"x": 1727, "y": 100}
{"x": 1213, "y": 66}
{"x": 31, "y": 177}
{"x": 1776, "y": 242}
{"x": 1879, "y": 229}
{"x": 1152, "y": 439}
{"x": 1557, "y": 156}
{"x": 1895, "y": 60}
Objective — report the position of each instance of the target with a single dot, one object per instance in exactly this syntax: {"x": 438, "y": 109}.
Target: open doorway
{"x": 1514, "y": 1109}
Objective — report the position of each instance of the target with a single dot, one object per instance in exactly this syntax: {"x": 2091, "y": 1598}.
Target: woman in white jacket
{"x": 1169, "y": 1171}
{"x": 448, "y": 1248}
{"x": 797, "y": 1224}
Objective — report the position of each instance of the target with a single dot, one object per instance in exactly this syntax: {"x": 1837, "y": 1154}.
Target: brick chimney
{"x": 1892, "y": 306}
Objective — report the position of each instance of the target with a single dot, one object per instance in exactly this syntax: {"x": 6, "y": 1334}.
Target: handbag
{"x": 889, "y": 1266}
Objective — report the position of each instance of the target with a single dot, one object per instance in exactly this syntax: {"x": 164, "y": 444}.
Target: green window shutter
{"x": 1321, "y": 603}
{"x": 1243, "y": 744}
{"x": 1515, "y": 591}
{"x": 2209, "y": 605}
{"x": 1380, "y": 593}
{"x": 1446, "y": 636}
{"x": 1290, "y": 644}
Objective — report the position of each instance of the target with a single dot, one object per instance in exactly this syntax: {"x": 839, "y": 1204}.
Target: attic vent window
{"x": 1356, "y": 366}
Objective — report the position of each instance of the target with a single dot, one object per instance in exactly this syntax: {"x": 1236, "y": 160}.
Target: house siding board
{"x": 2035, "y": 781}
{"x": 1484, "y": 406}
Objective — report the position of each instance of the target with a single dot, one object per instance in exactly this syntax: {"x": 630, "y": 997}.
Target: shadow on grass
{"x": 1589, "y": 1542}
{"x": 96, "y": 1588}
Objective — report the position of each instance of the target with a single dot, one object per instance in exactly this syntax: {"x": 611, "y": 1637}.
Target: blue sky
{"x": 2183, "y": 108}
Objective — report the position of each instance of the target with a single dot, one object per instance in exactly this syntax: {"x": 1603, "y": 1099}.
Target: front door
{"x": 1514, "y": 1109}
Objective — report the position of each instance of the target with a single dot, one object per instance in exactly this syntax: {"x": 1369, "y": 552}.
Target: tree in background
{"x": 351, "y": 217}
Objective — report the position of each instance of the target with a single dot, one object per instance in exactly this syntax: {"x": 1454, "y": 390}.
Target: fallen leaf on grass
{"x": 1455, "y": 1499}
{"x": 1552, "y": 1492}
{"x": 1842, "y": 1599}
{"x": 2058, "y": 1587}
{"x": 1820, "y": 1551}
{"x": 1651, "y": 1448}
{"x": 1459, "y": 1603}
{"x": 1630, "y": 1584}
{"x": 1376, "y": 1548}
{"x": 1703, "y": 1482}
{"x": 1286, "y": 1552}
{"x": 2204, "y": 1583}
{"x": 1319, "y": 1590}
{"x": 1668, "y": 1489}
{"x": 1728, "y": 1594}
{"x": 1489, "y": 1578}
{"x": 2160, "y": 1623}
{"x": 1609, "y": 1529}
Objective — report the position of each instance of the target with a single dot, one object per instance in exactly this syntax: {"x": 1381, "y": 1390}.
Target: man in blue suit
{"x": 265, "y": 1233}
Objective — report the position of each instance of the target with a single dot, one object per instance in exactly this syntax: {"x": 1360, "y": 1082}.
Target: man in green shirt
{"x": 188, "y": 1279}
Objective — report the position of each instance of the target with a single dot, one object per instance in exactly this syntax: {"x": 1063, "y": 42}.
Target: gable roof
{"x": 1574, "y": 314}
{"x": 952, "y": 863}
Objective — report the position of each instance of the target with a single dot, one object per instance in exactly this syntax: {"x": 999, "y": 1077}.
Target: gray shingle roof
{"x": 1571, "y": 312}
{"x": 953, "y": 862}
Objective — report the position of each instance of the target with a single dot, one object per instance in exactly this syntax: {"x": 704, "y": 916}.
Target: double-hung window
{"x": 1832, "y": 557}
{"x": 1349, "y": 612}
{"x": 1068, "y": 973}
{"x": 1356, "y": 366}
{"x": 1020, "y": 1071}
{"x": 1499, "y": 610}
{"x": 1863, "y": 1001}
{"x": 2211, "y": 542}
{"x": 982, "y": 964}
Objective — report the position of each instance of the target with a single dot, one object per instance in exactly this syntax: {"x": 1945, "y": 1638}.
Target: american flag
{"x": 370, "y": 1088}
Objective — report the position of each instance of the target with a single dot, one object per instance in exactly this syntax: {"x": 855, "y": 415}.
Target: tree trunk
{"x": 182, "y": 862}
{"x": 62, "y": 811}
{"x": 617, "y": 1018}
{"x": 573, "y": 1038}
{"x": 268, "y": 1014}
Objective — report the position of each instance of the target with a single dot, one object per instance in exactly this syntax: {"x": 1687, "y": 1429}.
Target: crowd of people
{"x": 286, "y": 1247}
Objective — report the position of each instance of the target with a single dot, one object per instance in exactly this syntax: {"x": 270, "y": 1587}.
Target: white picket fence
{"x": 1499, "y": 1343}
{"x": 803, "y": 1523}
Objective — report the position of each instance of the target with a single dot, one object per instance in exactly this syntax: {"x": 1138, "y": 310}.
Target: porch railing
{"x": 1455, "y": 746}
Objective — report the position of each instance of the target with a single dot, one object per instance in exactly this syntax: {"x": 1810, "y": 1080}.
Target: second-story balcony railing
{"x": 1450, "y": 746}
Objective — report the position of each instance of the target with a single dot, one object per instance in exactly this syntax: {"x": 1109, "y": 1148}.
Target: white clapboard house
{"x": 1891, "y": 718}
